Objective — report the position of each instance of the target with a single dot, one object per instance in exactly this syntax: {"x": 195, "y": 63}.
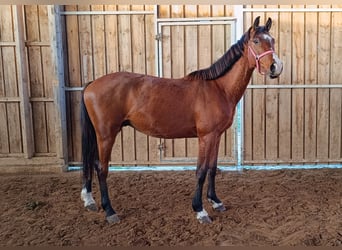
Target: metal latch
{"x": 161, "y": 147}
{"x": 158, "y": 37}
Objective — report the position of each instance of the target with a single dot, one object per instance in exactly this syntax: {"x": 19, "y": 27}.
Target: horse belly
{"x": 168, "y": 129}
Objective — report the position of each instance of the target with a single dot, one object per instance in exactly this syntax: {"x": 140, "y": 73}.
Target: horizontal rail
{"x": 41, "y": 99}
{"x": 116, "y": 12}
{"x": 32, "y": 99}
{"x": 292, "y": 10}
{"x": 9, "y": 99}
{"x": 8, "y": 44}
{"x": 5, "y": 156}
{"x": 183, "y": 23}
{"x": 291, "y": 161}
{"x": 193, "y": 160}
{"x": 37, "y": 44}
{"x": 221, "y": 168}
{"x": 296, "y": 86}
{"x": 262, "y": 86}
{"x": 196, "y": 19}
{"x": 71, "y": 89}
{"x": 27, "y": 43}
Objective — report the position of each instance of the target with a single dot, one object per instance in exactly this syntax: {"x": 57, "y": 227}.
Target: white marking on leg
{"x": 215, "y": 204}
{"x": 202, "y": 214}
{"x": 87, "y": 197}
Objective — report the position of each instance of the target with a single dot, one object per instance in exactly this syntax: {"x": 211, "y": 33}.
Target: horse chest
{"x": 215, "y": 119}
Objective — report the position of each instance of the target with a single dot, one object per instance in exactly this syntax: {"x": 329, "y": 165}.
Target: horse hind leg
{"x": 89, "y": 202}
{"x": 89, "y": 157}
{"x": 105, "y": 144}
{"x": 86, "y": 193}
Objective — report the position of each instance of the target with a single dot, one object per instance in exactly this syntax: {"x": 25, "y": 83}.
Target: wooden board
{"x": 12, "y": 109}
{"x": 139, "y": 56}
{"x": 298, "y": 72}
{"x": 73, "y": 49}
{"x": 310, "y": 95}
{"x": 335, "y": 151}
{"x": 151, "y": 57}
{"x": 191, "y": 64}
{"x": 272, "y": 99}
{"x": 258, "y": 103}
{"x": 6, "y": 35}
{"x": 323, "y": 72}
{"x": 126, "y": 60}
{"x": 285, "y": 95}
{"x": 177, "y": 70}
{"x": 247, "y": 111}
{"x": 98, "y": 38}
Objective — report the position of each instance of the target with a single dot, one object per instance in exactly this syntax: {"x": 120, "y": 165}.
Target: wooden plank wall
{"x": 281, "y": 125}
{"x": 297, "y": 125}
{"x": 40, "y": 75}
{"x": 102, "y": 44}
{"x": 38, "y": 51}
{"x": 27, "y": 108}
{"x": 11, "y": 143}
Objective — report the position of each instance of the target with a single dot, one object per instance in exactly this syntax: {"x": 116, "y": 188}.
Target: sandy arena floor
{"x": 285, "y": 207}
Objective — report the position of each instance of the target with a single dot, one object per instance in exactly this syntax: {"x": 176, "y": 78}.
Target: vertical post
{"x": 239, "y": 135}
{"x": 156, "y": 33}
{"x": 23, "y": 82}
{"x": 56, "y": 38}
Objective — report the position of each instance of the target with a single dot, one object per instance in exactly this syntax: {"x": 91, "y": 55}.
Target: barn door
{"x": 185, "y": 45}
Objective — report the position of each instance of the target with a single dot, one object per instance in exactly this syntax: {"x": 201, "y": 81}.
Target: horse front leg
{"x": 211, "y": 194}
{"x": 197, "y": 204}
{"x": 207, "y": 157}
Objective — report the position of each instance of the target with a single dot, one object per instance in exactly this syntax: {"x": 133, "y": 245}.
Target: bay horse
{"x": 201, "y": 104}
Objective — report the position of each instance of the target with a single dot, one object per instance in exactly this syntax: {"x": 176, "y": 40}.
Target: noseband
{"x": 258, "y": 57}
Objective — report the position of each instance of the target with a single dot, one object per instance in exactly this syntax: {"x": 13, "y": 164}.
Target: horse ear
{"x": 256, "y": 22}
{"x": 268, "y": 24}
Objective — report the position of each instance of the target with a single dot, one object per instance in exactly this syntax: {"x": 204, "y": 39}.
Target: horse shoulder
{"x": 213, "y": 110}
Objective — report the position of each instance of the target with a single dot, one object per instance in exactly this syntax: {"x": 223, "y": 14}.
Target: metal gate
{"x": 185, "y": 45}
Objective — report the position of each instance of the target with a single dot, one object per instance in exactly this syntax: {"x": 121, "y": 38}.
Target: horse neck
{"x": 235, "y": 81}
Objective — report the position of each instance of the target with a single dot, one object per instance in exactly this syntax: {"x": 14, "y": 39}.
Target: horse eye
{"x": 256, "y": 41}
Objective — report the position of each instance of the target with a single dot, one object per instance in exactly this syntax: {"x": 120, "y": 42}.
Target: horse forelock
{"x": 223, "y": 64}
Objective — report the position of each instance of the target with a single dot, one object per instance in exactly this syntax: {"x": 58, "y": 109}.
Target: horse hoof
{"x": 205, "y": 220}
{"x": 113, "y": 219}
{"x": 91, "y": 207}
{"x": 203, "y": 217}
{"x": 220, "y": 208}
{"x": 217, "y": 206}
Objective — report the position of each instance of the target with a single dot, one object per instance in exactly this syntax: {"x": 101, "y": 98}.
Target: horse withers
{"x": 201, "y": 104}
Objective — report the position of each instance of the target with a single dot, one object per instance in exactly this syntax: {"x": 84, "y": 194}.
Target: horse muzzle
{"x": 276, "y": 67}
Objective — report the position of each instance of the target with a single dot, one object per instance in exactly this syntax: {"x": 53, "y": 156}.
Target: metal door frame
{"x": 162, "y": 22}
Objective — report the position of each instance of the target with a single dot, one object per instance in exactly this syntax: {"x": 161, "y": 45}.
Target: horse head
{"x": 261, "y": 52}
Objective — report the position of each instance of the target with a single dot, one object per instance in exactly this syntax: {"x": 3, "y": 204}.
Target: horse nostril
{"x": 273, "y": 67}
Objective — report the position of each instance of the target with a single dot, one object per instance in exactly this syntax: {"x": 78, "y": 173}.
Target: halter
{"x": 258, "y": 57}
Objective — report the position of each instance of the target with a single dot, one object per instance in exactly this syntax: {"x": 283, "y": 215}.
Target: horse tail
{"x": 90, "y": 153}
